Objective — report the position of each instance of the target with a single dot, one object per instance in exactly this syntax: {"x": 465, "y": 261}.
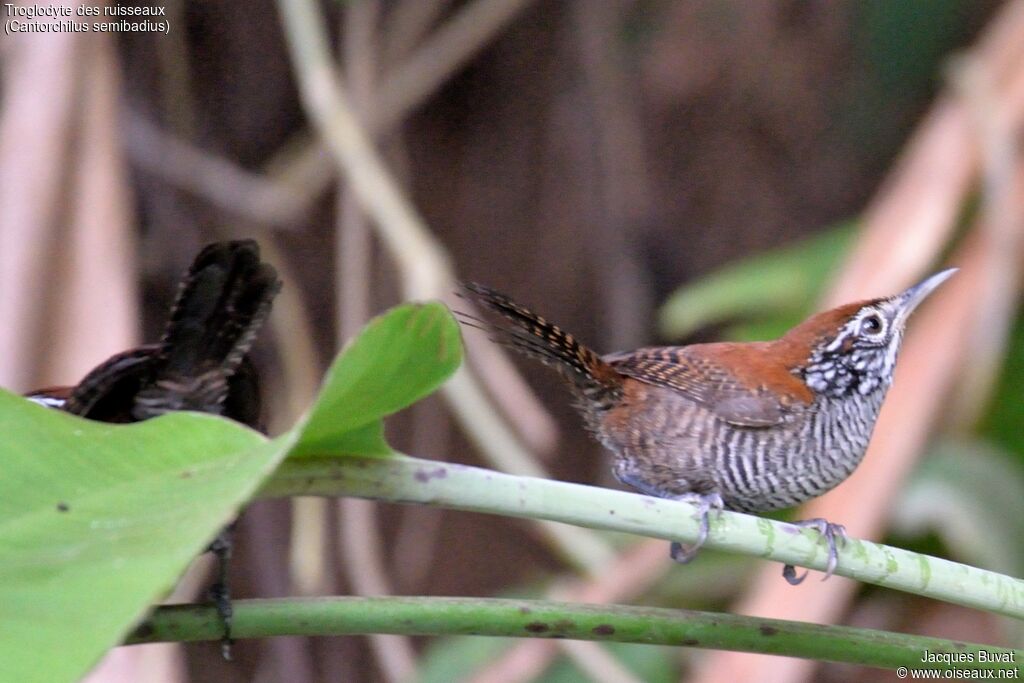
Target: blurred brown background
{"x": 588, "y": 157}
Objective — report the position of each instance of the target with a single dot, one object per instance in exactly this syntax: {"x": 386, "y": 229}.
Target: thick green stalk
{"x": 543, "y": 619}
{"x": 410, "y": 480}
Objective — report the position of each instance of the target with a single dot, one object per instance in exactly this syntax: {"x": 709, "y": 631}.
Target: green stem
{"x": 544, "y": 619}
{"x": 409, "y": 480}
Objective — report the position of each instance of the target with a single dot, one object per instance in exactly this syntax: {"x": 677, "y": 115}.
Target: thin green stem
{"x": 545, "y": 619}
{"x": 410, "y": 480}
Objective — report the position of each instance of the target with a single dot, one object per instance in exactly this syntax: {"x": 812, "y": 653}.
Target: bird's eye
{"x": 871, "y": 325}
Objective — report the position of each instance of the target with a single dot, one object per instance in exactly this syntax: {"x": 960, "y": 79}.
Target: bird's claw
{"x": 221, "y": 599}
{"x": 705, "y": 502}
{"x": 219, "y": 592}
{"x": 789, "y": 574}
{"x": 831, "y": 533}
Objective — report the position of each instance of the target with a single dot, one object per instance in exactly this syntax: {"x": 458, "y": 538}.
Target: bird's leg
{"x": 705, "y": 502}
{"x": 831, "y": 533}
{"x": 219, "y": 592}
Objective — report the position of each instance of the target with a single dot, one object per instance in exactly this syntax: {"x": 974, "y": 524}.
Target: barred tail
{"x": 221, "y": 304}
{"x": 533, "y": 336}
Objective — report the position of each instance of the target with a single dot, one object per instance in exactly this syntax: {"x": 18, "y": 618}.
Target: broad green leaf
{"x": 970, "y": 494}
{"x": 98, "y": 521}
{"x": 400, "y": 357}
{"x": 784, "y": 283}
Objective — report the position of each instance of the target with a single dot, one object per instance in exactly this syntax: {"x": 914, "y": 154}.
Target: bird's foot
{"x": 831, "y": 533}
{"x": 219, "y": 592}
{"x": 705, "y": 502}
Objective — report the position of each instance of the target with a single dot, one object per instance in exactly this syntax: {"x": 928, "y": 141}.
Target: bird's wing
{"x": 108, "y": 391}
{"x": 739, "y": 388}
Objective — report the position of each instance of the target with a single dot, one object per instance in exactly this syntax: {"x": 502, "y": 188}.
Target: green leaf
{"x": 969, "y": 494}
{"x": 783, "y": 283}
{"x": 400, "y": 357}
{"x": 98, "y": 521}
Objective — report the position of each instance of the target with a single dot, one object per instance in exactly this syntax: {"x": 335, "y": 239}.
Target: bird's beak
{"x": 912, "y": 297}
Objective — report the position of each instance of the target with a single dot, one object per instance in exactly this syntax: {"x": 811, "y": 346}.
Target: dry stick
{"x": 1001, "y": 214}
{"x": 95, "y": 278}
{"x": 914, "y": 216}
{"x": 915, "y": 212}
{"x": 905, "y": 228}
{"x": 620, "y": 193}
{"x": 404, "y": 89}
{"x": 308, "y": 566}
{"x": 410, "y": 84}
{"x": 301, "y": 367}
{"x": 174, "y": 83}
{"x": 33, "y": 138}
{"x": 96, "y": 309}
{"x": 430, "y": 66}
{"x": 450, "y": 47}
{"x": 361, "y": 547}
{"x": 298, "y": 178}
{"x": 619, "y": 196}
{"x": 221, "y": 182}
{"x": 363, "y": 550}
{"x": 292, "y": 329}
{"x": 410, "y": 19}
{"x": 419, "y": 257}
{"x": 408, "y": 22}
{"x": 418, "y": 534}
{"x": 517, "y": 401}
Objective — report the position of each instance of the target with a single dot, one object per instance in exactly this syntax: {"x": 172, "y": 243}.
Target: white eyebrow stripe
{"x": 840, "y": 338}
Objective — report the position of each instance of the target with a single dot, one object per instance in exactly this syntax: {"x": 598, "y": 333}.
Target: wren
{"x": 201, "y": 364}
{"x": 749, "y": 427}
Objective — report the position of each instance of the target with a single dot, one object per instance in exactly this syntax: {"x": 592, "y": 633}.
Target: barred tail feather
{"x": 531, "y": 335}
{"x": 223, "y": 300}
